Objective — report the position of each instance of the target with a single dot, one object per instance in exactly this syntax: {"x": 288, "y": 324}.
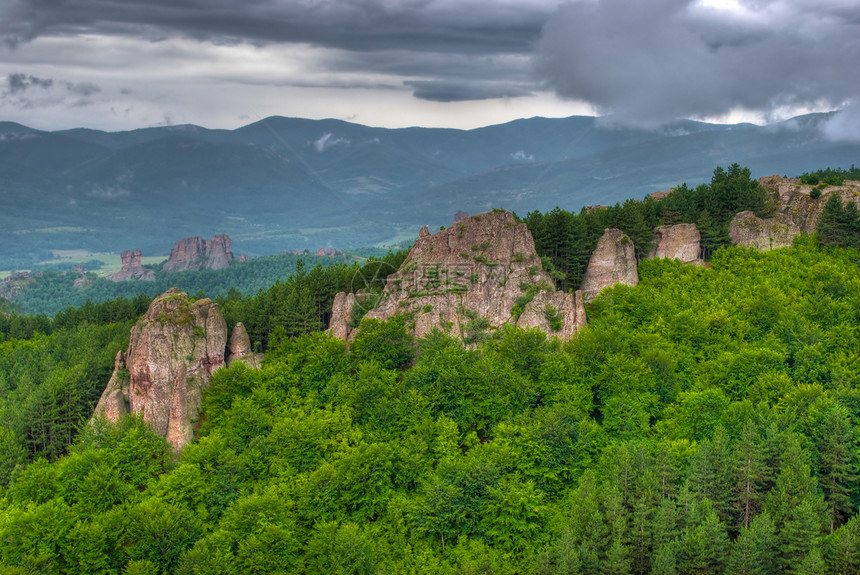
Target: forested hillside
{"x": 702, "y": 422}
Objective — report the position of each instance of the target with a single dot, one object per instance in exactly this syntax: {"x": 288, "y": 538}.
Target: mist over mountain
{"x": 287, "y": 183}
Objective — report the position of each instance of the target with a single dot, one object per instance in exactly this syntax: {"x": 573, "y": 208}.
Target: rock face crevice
{"x": 613, "y": 261}
{"x": 173, "y": 350}
{"x": 474, "y": 277}
{"x": 196, "y": 253}
{"x": 131, "y": 269}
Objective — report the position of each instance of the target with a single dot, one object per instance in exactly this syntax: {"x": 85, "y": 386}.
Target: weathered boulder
{"x": 174, "y": 349}
{"x": 613, "y": 261}
{"x": 239, "y": 348}
{"x": 795, "y": 212}
{"x": 197, "y": 254}
{"x": 474, "y": 277}
{"x": 131, "y": 269}
{"x": 680, "y": 242}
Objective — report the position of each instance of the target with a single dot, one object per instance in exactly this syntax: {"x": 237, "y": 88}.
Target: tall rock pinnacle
{"x": 174, "y": 349}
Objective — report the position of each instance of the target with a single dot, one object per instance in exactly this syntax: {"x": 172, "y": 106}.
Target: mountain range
{"x": 288, "y": 183}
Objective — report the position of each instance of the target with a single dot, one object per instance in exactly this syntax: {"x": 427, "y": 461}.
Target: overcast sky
{"x": 458, "y": 63}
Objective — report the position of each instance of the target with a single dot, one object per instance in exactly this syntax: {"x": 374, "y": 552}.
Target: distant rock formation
{"x": 132, "y": 269}
{"x": 680, "y": 242}
{"x": 613, "y": 261}
{"x": 796, "y": 212}
{"x": 174, "y": 349}
{"x": 15, "y": 284}
{"x": 468, "y": 280}
{"x": 197, "y": 254}
{"x": 239, "y": 348}
{"x": 460, "y": 216}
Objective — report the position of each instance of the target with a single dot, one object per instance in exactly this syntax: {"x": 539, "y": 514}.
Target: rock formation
{"x": 174, "y": 349}
{"x": 239, "y": 348}
{"x": 132, "y": 269}
{"x": 198, "y": 254}
{"x": 473, "y": 277}
{"x": 460, "y": 216}
{"x": 680, "y": 242}
{"x": 796, "y": 212}
{"x": 613, "y": 261}
{"x": 15, "y": 284}
{"x": 341, "y": 315}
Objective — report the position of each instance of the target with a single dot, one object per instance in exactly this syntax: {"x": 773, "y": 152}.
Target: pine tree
{"x": 712, "y": 233}
{"x": 748, "y": 472}
{"x": 831, "y": 222}
{"x": 754, "y": 550}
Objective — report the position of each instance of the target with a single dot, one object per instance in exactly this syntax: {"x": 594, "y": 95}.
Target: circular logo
{"x": 368, "y": 283}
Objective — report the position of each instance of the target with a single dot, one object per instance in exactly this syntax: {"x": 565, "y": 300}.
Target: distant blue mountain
{"x": 290, "y": 183}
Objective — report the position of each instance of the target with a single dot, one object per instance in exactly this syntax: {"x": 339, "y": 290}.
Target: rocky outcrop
{"x": 795, "y": 212}
{"x": 198, "y": 254}
{"x": 613, "y": 261}
{"x": 747, "y": 229}
{"x": 174, "y": 349}
{"x": 341, "y": 315}
{"x": 467, "y": 280}
{"x": 680, "y": 242}
{"x": 82, "y": 281}
{"x": 132, "y": 269}
{"x": 15, "y": 284}
{"x": 239, "y": 348}
{"x": 460, "y": 216}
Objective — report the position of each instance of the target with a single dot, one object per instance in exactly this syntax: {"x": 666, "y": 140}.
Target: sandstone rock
{"x": 239, "y": 348}
{"x": 423, "y": 232}
{"x": 569, "y": 308}
{"x": 341, "y": 315}
{"x": 174, "y": 349}
{"x": 480, "y": 269}
{"x": 197, "y": 254}
{"x": 680, "y": 242}
{"x": 114, "y": 401}
{"x": 613, "y": 261}
{"x": 746, "y": 229}
{"x": 15, "y": 284}
{"x": 796, "y": 212}
{"x": 460, "y": 216}
{"x": 660, "y": 195}
{"x": 82, "y": 282}
{"x": 131, "y": 269}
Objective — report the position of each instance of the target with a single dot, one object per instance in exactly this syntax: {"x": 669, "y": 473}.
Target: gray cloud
{"x": 452, "y": 91}
{"x": 18, "y": 83}
{"x": 651, "y": 62}
{"x": 477, "y": 26}
{"x": 27, "y": 91}
{"x": 82, "y": 88}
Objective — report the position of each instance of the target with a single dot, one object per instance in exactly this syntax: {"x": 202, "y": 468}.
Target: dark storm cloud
{"x": 654, "y": 61}
{"x": 480, "y": 26}
{"x": 445, "y": 91}
{"x": 432, "y": 41}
